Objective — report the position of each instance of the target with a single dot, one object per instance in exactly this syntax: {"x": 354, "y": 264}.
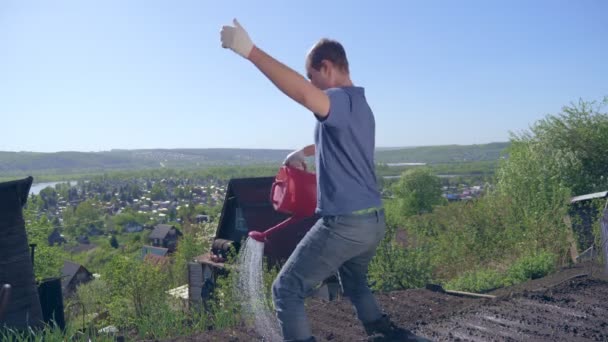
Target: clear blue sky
{"x": 98, "y": 75}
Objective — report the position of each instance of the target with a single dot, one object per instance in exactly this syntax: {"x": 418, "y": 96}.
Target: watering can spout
{"x": 257, "y": 236}
{"x": 263, "y": 236}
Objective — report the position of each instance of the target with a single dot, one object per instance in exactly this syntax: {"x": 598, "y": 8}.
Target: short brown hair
{"x": 328, "y": 49}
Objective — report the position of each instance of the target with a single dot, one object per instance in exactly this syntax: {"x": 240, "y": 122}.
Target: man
{"x": 348, "y": 200}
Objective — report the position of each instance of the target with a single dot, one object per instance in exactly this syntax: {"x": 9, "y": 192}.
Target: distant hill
{"x": 23, "y": 163}
{"x": 442, "y": 153}
{"x": 20, "y": 163}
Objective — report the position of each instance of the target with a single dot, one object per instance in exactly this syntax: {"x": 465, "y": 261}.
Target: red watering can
{"x": 293, "y": 192}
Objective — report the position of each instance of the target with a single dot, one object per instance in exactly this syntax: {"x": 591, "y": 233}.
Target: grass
{"x": 51, "y": 333}
{"x": 533, "y": 266}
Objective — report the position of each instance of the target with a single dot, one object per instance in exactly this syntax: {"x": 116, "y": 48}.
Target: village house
{"x": 56, "y": 238}
{"x": 72, "y": 275}
{"x": 165, "y": 236}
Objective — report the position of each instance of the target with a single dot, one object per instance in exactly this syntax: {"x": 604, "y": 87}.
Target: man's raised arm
{"x": 286, "y": 79}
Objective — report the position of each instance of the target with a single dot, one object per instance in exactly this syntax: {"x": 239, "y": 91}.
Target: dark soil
{"x": 570, "y": 305}
{"x": 575, "y": 310}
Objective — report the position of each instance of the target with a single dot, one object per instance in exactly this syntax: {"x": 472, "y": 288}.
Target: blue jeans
{"x": 344, "y": 243}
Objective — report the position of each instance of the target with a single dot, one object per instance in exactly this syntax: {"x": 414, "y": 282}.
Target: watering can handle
{"x": 282, "y": 224}
{"x": 274, "y": 185}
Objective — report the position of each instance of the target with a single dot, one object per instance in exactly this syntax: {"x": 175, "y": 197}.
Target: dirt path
{"x": 566, "y": 306}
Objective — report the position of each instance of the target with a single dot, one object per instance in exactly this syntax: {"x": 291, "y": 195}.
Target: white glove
{"x": 236, "y": 38}
{"x": 296, "y": 159}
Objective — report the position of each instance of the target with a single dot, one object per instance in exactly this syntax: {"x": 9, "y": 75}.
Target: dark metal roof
{"x": 69, "y": 271}
{"x": 160, "y": 231}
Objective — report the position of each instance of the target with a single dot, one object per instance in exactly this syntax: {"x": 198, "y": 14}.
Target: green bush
{"x": 530, "y": 267}
{"x": 223, "y": 308}
{"x": 525, "y": 268}
{"x": 465, "y": 236}
{"x": 397, "y": 267}
{"x": 169, "y": 318}
{"x": 94, "y": 298}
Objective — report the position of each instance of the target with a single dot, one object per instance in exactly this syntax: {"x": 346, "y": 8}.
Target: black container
{"x": 51, "y": 301}
{"x": 16, "y": 267}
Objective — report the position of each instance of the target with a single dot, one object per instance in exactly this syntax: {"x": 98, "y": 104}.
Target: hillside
{"x": 22, "y": 163}
{"x": 443, "y": 153}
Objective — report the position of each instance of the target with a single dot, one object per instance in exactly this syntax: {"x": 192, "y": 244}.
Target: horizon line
{"x": 235, "y": 148}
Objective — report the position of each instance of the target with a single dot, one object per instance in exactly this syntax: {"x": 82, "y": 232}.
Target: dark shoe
{"x": 384, "y": 330}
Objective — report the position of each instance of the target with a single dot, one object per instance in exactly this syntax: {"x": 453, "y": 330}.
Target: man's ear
{"x": 325, "y": 64}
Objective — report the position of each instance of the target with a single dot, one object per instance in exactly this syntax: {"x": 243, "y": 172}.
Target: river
{"x": 37, "y": 187}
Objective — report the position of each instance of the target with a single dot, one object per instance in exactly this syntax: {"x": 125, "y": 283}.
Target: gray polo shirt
{"x": 344, "y": 157}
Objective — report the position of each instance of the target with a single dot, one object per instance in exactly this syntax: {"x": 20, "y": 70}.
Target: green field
{"x": 458, "y": 159}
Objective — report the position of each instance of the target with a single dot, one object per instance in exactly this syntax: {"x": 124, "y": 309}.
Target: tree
{"x": 187, "y": 212}
{"x": 63, "y": 190}
{"x": 141, "y": 284}
{"x": 172, "y": 214}
{"x": 49, "y": 197}
{"x": 48, "y": 260}
{"x": 560, "y": 156}
{"x": 128, "y": 216}
{"x": 158, "y": 192}
{"x": 190, "y": 245}
{"x": 418, "y": 191}
{"x": 109, "y": 223}
{"x": 86, "y": 214}
{"x": 572, "y": 144}
{"x": 113, "y": 242}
